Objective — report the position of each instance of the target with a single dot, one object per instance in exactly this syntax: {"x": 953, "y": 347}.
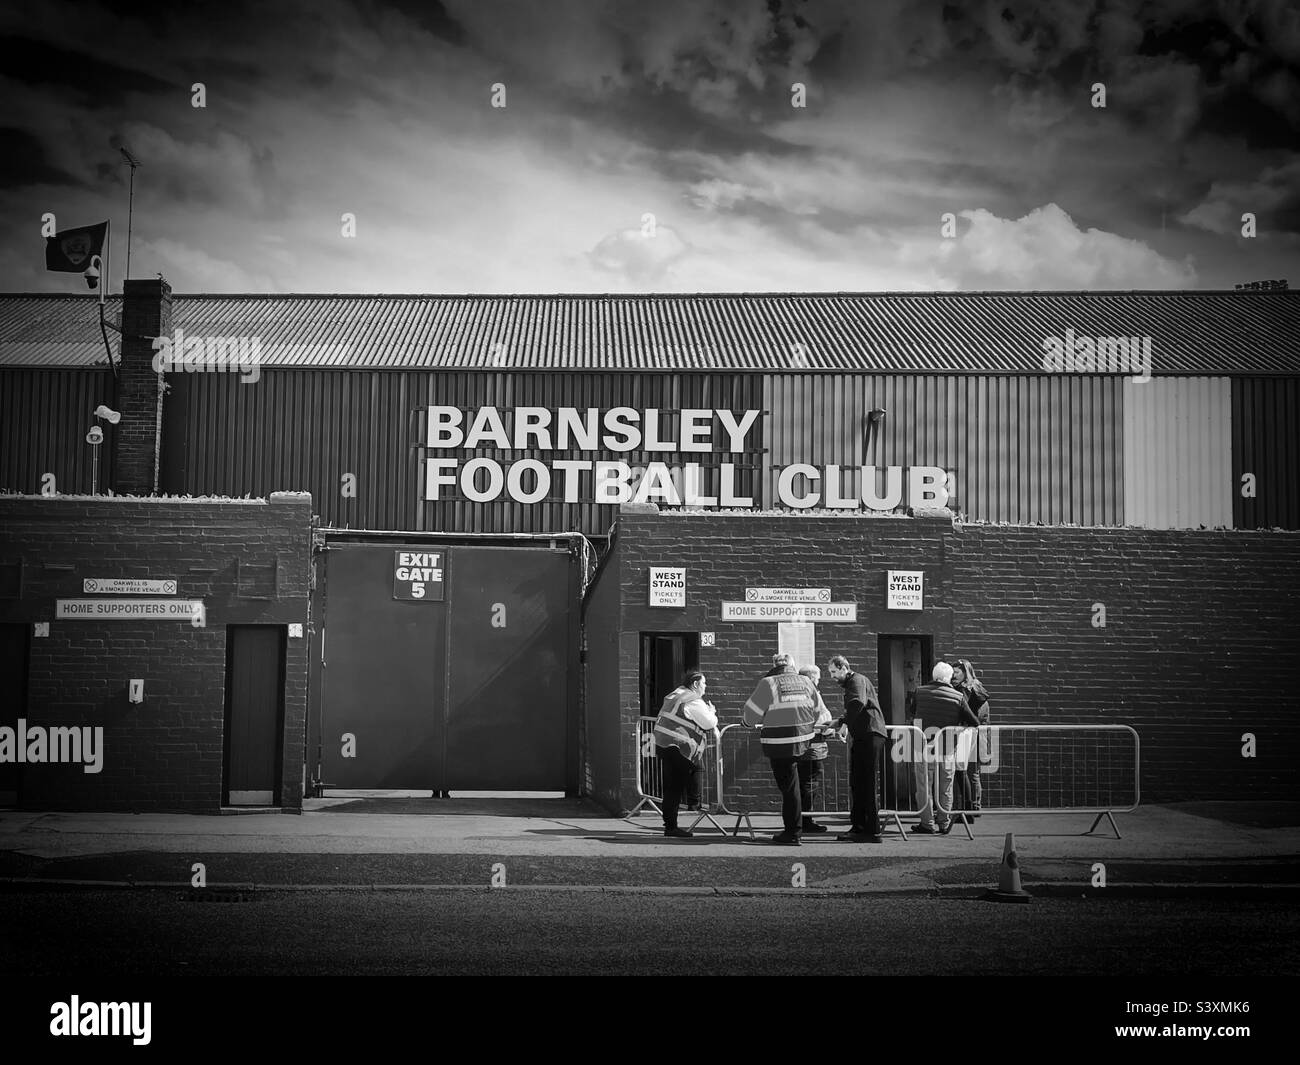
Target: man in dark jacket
{"x": 940, "y": 710}
{"x": 866, "y": 725}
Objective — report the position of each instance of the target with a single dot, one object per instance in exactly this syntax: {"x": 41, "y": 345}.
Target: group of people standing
{"x": 795, "y": 727}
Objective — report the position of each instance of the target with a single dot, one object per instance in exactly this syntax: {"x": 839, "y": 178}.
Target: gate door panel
{"x": 382, "y": 681}
{"x": 510, "y": 686}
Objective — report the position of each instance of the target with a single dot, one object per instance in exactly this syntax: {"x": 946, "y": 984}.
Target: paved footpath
{"x": 421, "y": 843}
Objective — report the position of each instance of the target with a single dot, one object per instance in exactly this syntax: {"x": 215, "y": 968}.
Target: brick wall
{"x": 164, "y": 754}
{"x": 146, "y": 314}
{"x": 1201, "y": 639}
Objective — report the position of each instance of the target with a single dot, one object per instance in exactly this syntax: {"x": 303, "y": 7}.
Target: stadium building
{"x": 465, "y": 542}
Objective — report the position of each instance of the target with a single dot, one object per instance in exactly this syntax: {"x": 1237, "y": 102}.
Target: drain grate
{"x": 220, "y": 895}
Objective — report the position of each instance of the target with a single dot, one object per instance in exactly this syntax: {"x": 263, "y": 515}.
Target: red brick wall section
{"x": 164, "y": 754}
{"x": 1201, "y": 642}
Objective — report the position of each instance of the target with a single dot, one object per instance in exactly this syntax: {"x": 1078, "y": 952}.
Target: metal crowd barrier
{"x": 746, "y": 786}
{"x": 1040, "y": 769}
{"x": 1023, "y": 769}
{"x": 649, "y": 771}
{"x": 649, "y": 776}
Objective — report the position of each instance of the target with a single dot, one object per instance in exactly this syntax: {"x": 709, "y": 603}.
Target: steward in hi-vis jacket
{"x": 784, "y": 707}
{"x": 681, "y": 734}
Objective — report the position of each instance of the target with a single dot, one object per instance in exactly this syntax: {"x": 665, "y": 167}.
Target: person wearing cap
{"x": 784, "y": 707}
{"x": 681, "y": 733}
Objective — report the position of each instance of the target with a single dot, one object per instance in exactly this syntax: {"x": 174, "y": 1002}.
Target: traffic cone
{"x": 1009, "y": 889}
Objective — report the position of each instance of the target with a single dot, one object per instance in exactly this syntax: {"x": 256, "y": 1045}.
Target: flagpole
{"x": 132, "y": 162}
{"x": 105, "y": 259}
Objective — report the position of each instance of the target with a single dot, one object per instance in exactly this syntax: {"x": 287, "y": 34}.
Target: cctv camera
{"x": 92, "y": 273}
{"x": 108, "y": 414}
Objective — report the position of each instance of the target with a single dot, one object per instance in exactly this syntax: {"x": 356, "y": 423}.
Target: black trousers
{"x": 786, "y": 773}
{"x": 681, "y": 777}
{"x": 863, "y": 769}
{"x": 810, "y": 783}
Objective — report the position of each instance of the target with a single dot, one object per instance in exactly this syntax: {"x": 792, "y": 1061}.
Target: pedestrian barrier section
{"x": 746, "y": 786}
{"x": 1038, "y": 769}
{"x": 649, "y": 776}
{"x": 649, "y": 770}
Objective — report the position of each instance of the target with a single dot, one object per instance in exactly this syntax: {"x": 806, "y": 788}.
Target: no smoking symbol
{"x": 89, "y": 586}
{"x": 169, "y": 587}
{"x": 823, "y": 595}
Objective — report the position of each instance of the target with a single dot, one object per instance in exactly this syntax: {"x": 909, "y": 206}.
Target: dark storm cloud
{"x": 84, "y": 76}
{"x": 23, "y": 162}
{"x": 678, "y": 108}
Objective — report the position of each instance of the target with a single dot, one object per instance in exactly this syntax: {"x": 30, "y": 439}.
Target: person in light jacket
{"x": 682, "y": 733}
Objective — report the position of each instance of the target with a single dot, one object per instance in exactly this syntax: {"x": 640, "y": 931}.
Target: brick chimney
{"x": 137, "y": 442}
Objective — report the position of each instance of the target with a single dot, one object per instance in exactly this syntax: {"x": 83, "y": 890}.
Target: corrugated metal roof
{"x": 1193, "y": 333}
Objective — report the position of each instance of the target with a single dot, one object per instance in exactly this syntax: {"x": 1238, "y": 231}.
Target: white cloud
{"x": 644, "y": 260}
{"x": 194, "y": 270}
{"x": 1046, "y": 250}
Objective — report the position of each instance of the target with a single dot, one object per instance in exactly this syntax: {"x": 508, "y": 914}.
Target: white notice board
{"x": 667, "y": 586}
{"x": 904, "y": 589}
{"x": 799, "y": 640}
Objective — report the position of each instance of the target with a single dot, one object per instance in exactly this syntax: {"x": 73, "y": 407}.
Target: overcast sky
{"x": 652, "y": 146}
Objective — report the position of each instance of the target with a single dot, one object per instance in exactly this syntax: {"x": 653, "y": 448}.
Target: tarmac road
{"x": 92, "y": 933}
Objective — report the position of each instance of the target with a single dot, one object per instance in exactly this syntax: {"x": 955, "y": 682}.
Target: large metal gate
{"x": 445, "y": 667}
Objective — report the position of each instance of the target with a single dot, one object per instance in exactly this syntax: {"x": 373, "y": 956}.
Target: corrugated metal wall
{"x": 1266, "y": 442}
{"x": 1055, "y": 449}
{"x": 1019, "y": 449}
{"x": 305, "y": 429}
{"x": 44, "y": 418}
{"x": 1178, "y": 453}
{"x": 297, "y": 431}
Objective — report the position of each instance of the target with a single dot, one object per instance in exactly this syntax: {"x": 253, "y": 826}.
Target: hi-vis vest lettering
{"x": 785, "y": 708}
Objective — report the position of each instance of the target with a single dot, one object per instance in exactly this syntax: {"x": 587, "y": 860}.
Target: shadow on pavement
{"x": 1246, "y": 814}
{"x": 466, "y": 806}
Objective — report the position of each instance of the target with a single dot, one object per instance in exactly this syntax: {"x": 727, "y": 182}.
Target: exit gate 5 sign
{"x": 417, "y": 575}
{"x": 904, "y": 589}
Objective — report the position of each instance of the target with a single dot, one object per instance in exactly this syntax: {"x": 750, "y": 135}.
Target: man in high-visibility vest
{"x": 784, "y": 706}
{"x": 681, "y": 734}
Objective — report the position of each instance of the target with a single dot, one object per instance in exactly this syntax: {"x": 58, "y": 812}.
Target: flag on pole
{"x": 72, "y": 250}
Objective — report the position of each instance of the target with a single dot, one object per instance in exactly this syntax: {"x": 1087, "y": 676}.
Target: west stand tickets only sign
{"x": 417, "y": 576}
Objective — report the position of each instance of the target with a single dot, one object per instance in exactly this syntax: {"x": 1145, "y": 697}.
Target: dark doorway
{"x": 905, "y": 663}
{"x": 665, "y": 658}
{"x": 254, "y": 714}
{"x": 15, "y": 648}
